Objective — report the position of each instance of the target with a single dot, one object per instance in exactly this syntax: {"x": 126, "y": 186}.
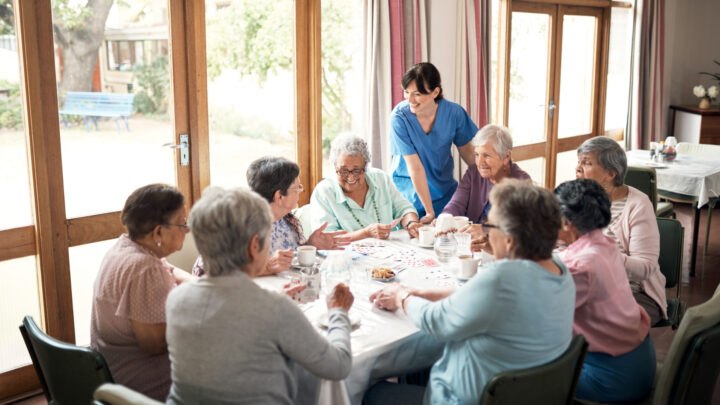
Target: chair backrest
{"x": 70, "y": 374}
{"x": 643, "y": 179}
{"x": 185, "y": 257}
{"x": 698, "y": 149}
{"x": 304, "y": 214}
{"x": 551, "y": 383}
{"x": 672, "y": 235}
{"x": 698, "y": 319}
{"x": 699, "y": 369}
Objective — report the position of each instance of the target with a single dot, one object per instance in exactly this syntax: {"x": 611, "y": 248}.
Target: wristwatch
{"x": 410, "y": 222}
{"x": 405, "y": 295}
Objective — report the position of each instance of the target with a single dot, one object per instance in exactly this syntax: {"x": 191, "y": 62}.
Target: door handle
{"x": 184, "y": 147}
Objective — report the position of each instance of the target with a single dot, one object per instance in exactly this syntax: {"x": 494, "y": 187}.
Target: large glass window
{"x": 341, "y": 71}
{"x": 18, "y": 298}
{"x": 618, "y": 79}
{"x": 250, "y": 85}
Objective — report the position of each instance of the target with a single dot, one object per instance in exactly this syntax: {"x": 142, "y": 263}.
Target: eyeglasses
{"x": 345, "y": 172}
{"x": 299, "y": 188}
{"x": 486, "y": 227}
{"x": 184, "y": 226}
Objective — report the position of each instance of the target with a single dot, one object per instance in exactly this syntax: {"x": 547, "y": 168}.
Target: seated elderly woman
{"x": 620, "y": 363}
{"x": 493, "y": 162}
{"x": 361, "y": 200}
{"x": 127, "y": 323}
{"x": 231, "y": 341}
{"x": 633, "y": 225}
{"x": 277, "y": 180}
{"x": 516, "y": 313}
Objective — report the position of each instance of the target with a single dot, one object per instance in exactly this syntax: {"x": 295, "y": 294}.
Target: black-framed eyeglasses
{"x": 345, "y": 172}
{"x": 486, "y": 227}
{"x": 184, "y": 226}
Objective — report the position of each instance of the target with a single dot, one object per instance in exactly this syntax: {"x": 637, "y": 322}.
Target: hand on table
{"x": 341, "y": 297}
{"x": 380, "y": 231}
{"x": 328, "y": 240}
{"x": 279, "y": 261}
{"x": 413, "y": 229}
{"x": 389, "y": 297}
{"x": 428, "y": 218}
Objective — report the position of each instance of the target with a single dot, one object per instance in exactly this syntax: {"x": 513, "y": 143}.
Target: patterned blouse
{"x": 287, "y": 233}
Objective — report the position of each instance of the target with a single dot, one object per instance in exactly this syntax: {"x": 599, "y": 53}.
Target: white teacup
{"x": 426, "y": 235}
{"x": 460, "y": 222}
{"x": 306, "y": 255}
{"x": 467, "y": 266}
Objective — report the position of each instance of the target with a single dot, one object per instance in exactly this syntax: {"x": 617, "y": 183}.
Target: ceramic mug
{"x": 426, "y": 235}
{"x": 467, "y": 266}
{"x": 306, "y": 255}
{"x": 460, "y": 222}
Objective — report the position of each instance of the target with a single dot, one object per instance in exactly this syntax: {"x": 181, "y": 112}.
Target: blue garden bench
{"x": 95, "y": 105}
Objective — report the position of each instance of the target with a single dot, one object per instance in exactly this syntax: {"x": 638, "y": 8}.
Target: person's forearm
{"x": 419, "y": 181}
{"x": 357, "y": 235}
{"x": 433, "y": 294}
{"x": 467, "y": 153}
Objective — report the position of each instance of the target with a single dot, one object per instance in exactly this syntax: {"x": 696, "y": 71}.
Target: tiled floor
{"x": 694, "y": 290}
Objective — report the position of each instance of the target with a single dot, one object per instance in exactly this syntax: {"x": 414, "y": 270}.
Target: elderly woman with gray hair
{"x": 231, "y": 341}
{"x": 632, "y": 223}
{"x": 361, "y": 200}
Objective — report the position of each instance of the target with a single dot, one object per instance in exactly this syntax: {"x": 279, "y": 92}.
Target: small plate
{"x": 465, "y": 278}
{"x": 416, "y": 242}
{"x": 325, "y": 318}
{"x": 385, "y": 280}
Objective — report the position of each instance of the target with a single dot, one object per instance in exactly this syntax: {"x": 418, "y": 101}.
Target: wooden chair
{"x": 551, "y": 383}
{"x": 68, "y": 374}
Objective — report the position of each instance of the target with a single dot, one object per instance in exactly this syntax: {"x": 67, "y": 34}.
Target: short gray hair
{"x": 609, "y": 155}
{"x": 528, "y": 213}
{"x": 502, "y": 141}
{"x": 351, "y": 145}
{"x": 223, "y": 222}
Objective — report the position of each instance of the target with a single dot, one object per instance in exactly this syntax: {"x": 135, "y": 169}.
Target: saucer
{"x": 465, "y": 278}
{"x": 416, "y": 242}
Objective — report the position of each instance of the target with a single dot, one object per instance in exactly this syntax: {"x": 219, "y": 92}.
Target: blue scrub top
{"x": 452, "y": 125}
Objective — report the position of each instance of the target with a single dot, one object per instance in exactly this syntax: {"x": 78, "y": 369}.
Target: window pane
{"x": 566, "y": 164}
{"x": 250, "y": 85}
{"x": 18, "y": 298}
{"x": 576, "y": 76}
{"x": 118, "y": 126}
{"x": 618, "y": 79}
{"x": 535, "y": 168}
{"x": 84, "y": 264}
{"x": 341, "y": 69}
{"x": 13, "y": 157}
{"x": 527, "y": 111}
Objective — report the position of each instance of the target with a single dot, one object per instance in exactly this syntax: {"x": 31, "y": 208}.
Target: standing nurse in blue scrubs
{"x": 423, "y": 129}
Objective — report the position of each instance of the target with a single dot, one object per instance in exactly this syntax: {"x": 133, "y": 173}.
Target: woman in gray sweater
{"x": 231, "y": 341}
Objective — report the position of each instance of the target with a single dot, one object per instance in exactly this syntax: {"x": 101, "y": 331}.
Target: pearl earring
{"x": 159, "y": 244}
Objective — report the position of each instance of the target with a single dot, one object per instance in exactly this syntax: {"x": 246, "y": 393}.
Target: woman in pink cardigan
{"x": 633, "y": 225}
{"x": 620, "y": 364}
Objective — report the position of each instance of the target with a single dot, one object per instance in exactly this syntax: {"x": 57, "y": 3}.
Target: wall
{"x": 441, "y": 31}
{"x": 692, "y": 42}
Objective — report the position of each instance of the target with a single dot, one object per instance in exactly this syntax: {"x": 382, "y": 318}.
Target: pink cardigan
{"x": 638, "y": 233}
{"x": 605, "y": 311}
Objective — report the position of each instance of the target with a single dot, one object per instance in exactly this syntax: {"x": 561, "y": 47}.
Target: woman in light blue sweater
{"x": 514, "y": 313}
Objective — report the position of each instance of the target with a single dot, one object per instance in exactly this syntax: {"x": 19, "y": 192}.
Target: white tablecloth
{"x": 379, "y": 332}
{"x": 689, "y": 175}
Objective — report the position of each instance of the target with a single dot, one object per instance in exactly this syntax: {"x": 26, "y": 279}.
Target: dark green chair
{"x": 551, "y": 383}
{"x": 645, "y": 180}
{"x": 68, "y": 374}
{"x": 672, "y": 235}
{"x": 700, "y": 368}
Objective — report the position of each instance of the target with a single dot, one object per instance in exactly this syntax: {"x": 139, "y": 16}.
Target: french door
{"x": 552, "y": 59}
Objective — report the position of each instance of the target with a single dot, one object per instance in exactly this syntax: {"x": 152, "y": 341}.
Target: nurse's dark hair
{"x": 426, "y": 78}
{"x": 148, "y": 207}
{"x": 584, "y": 203}
{"x": 268, "y": 174}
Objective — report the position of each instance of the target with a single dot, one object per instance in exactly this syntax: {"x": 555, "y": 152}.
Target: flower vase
{"x": 704, "y": 103}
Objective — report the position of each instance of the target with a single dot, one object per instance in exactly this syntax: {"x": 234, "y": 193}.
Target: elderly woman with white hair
{"x": 632, "y": 223}
{"x": 361, "y": 200}
{"x": 492, "y": 147}
{"x": 233, "y": 342}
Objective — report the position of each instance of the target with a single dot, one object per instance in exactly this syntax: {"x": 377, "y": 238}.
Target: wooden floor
{"x": 694, "y": 290}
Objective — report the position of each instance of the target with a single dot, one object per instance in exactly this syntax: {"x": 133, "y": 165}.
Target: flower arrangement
{"x": 707, "y": 96}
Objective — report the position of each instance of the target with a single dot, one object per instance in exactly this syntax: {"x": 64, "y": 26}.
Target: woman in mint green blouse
{"x": 360, "y": 200}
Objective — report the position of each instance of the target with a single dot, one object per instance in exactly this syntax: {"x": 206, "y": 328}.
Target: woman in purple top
{"x": 492, "y": 146}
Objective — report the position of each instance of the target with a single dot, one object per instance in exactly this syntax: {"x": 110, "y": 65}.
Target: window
{"x": 125, "y": 56}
